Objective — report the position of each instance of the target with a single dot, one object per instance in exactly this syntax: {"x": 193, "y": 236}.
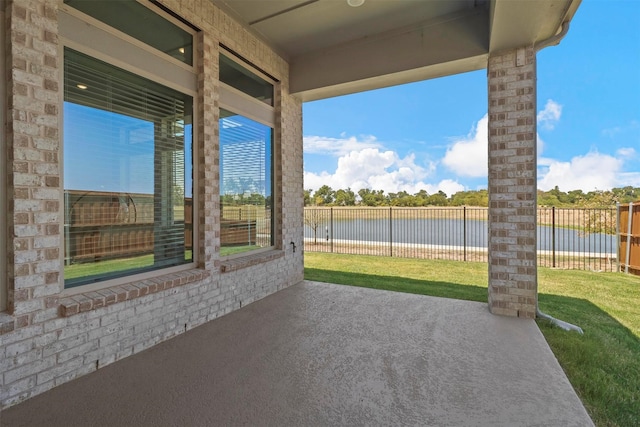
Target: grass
{"x": 86, "y": 269}
{"x": 603, "y": 365}
{"x": 75, "y": 271}
{"x": 232, "y": 250}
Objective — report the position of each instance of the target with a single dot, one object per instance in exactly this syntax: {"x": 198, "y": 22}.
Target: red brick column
{"x": 513, "y": 277}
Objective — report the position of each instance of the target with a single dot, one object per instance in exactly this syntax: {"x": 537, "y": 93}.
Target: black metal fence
{"x": 567, "y": 238}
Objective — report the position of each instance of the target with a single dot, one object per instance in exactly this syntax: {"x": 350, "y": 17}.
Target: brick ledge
{"x": 235, "y": 264}
{"x": 93, "y": 300}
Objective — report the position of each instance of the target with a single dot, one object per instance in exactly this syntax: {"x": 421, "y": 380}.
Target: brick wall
{"x": 512, "y": 183}
{"x": 33, "y": 181}
{"x": 48, "y": 338}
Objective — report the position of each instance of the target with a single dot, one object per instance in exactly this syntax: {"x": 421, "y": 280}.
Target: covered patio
{"x": 324, "y": 354}
{"x": 194, "y": 335}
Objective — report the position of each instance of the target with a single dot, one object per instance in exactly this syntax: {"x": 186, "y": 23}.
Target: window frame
{"x": 138, "y": 52}
{"x": 3, "y": 176}
{"x": 94, "y": 22}
{"x": 92, "y": 37}
{"x": 238, "y": 102}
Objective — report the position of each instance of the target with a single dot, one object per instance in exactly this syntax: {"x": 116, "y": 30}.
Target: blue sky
{"x": 120, "y": 156}
{"x": 432, "y": 135}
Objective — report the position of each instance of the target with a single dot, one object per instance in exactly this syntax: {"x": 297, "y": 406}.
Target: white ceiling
{"x": 334, "y": 48}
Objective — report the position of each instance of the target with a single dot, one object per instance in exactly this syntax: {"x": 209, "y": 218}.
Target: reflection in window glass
{"x": 245, "y": 81}
{"x": 246, "y": 194}
{"x": 127, "y": 173}
{"x": 141, "y": 23}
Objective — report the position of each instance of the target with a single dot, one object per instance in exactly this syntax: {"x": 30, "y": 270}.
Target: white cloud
{"x": 380, "y": 170}
{"x": 626, "y": 152}
{"x": 550, "y": 115}
{"x": 448, "y": 186}
{"x": 613, "y": 131}
{"x": 338, "y": 146}
{"x": 628, "y": 178}
{"x": 589, "y": 172}
{"x": 540, "y": 145}
{"x": 469, "y": 156}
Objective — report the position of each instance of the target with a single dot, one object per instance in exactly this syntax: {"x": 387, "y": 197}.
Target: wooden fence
{"x": 103, "y": 225}
{"x": 629, "y": 243}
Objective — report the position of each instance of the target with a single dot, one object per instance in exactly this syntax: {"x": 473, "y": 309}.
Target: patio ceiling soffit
{"x": 334, "y": 49}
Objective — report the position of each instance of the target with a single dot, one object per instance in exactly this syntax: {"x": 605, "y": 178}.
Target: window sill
{"x": 93, "y": 300}
{"x": 239, "y": 263}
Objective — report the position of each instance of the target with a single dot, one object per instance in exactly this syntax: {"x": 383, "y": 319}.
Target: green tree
{"x": 372, "y": 197}
{"x": 481, "y": 198}
{"x": 627, "y": 194}
{"x": 561, "y": 196}
{"x": 314, "y": 218}
{"x": 178, "y": 195}
{"x": 438, "y": 199}
{"x": 403, "y": 199}
{"x": 324, "y": 195}
{"x": 254, "y": 199}
{"x": 574, "y": 196}
{"x": 598, "y": 219}
{"x": 308, "y": 200}
{"x": 345, "y": 197}
{"x": 422, "y": 198}
{"x": 548, "y": 199}
{"x": 470, "y": 198}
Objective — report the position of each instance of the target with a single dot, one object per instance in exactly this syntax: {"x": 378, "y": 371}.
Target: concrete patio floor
{"x": 323, "y": 354}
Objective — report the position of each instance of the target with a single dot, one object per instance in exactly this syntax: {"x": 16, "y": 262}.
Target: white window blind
{"x": 127, "y": 172}
{"x": 246, "y": 180}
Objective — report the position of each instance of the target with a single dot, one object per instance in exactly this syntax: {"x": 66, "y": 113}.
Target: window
{"x": 137, "y": 20}
{"x": 127, "y": 172}
{"x": 246, "y": 160}
{"x": 245, "y": 81}
{"x": 127, "y": 142}
{"x": 3, "y": 175}
{"x": 246, "y": 195}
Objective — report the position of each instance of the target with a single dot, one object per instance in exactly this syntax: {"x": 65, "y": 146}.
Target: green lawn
{"x": 232, "y": 250}
{"x": 105, "y": 267}
{"x": 86, "y": 269}
{"x": 603, "y": 365}
{"x": 74, "y": 271}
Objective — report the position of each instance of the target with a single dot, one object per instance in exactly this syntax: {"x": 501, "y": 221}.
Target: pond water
{"x": 454, "y": 232}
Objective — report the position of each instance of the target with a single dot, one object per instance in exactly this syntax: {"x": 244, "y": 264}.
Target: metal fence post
{"x": 432, "y": 233}
{"x": 331, "y": 225}
{"x": 553, "y": 237}
{"x": 390, "y": 231}
{"x": 67, "y": 229}
{"x": 464, "y": 233}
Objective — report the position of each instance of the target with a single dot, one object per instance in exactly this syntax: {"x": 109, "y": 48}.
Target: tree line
{"x": 326, "y": 196}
